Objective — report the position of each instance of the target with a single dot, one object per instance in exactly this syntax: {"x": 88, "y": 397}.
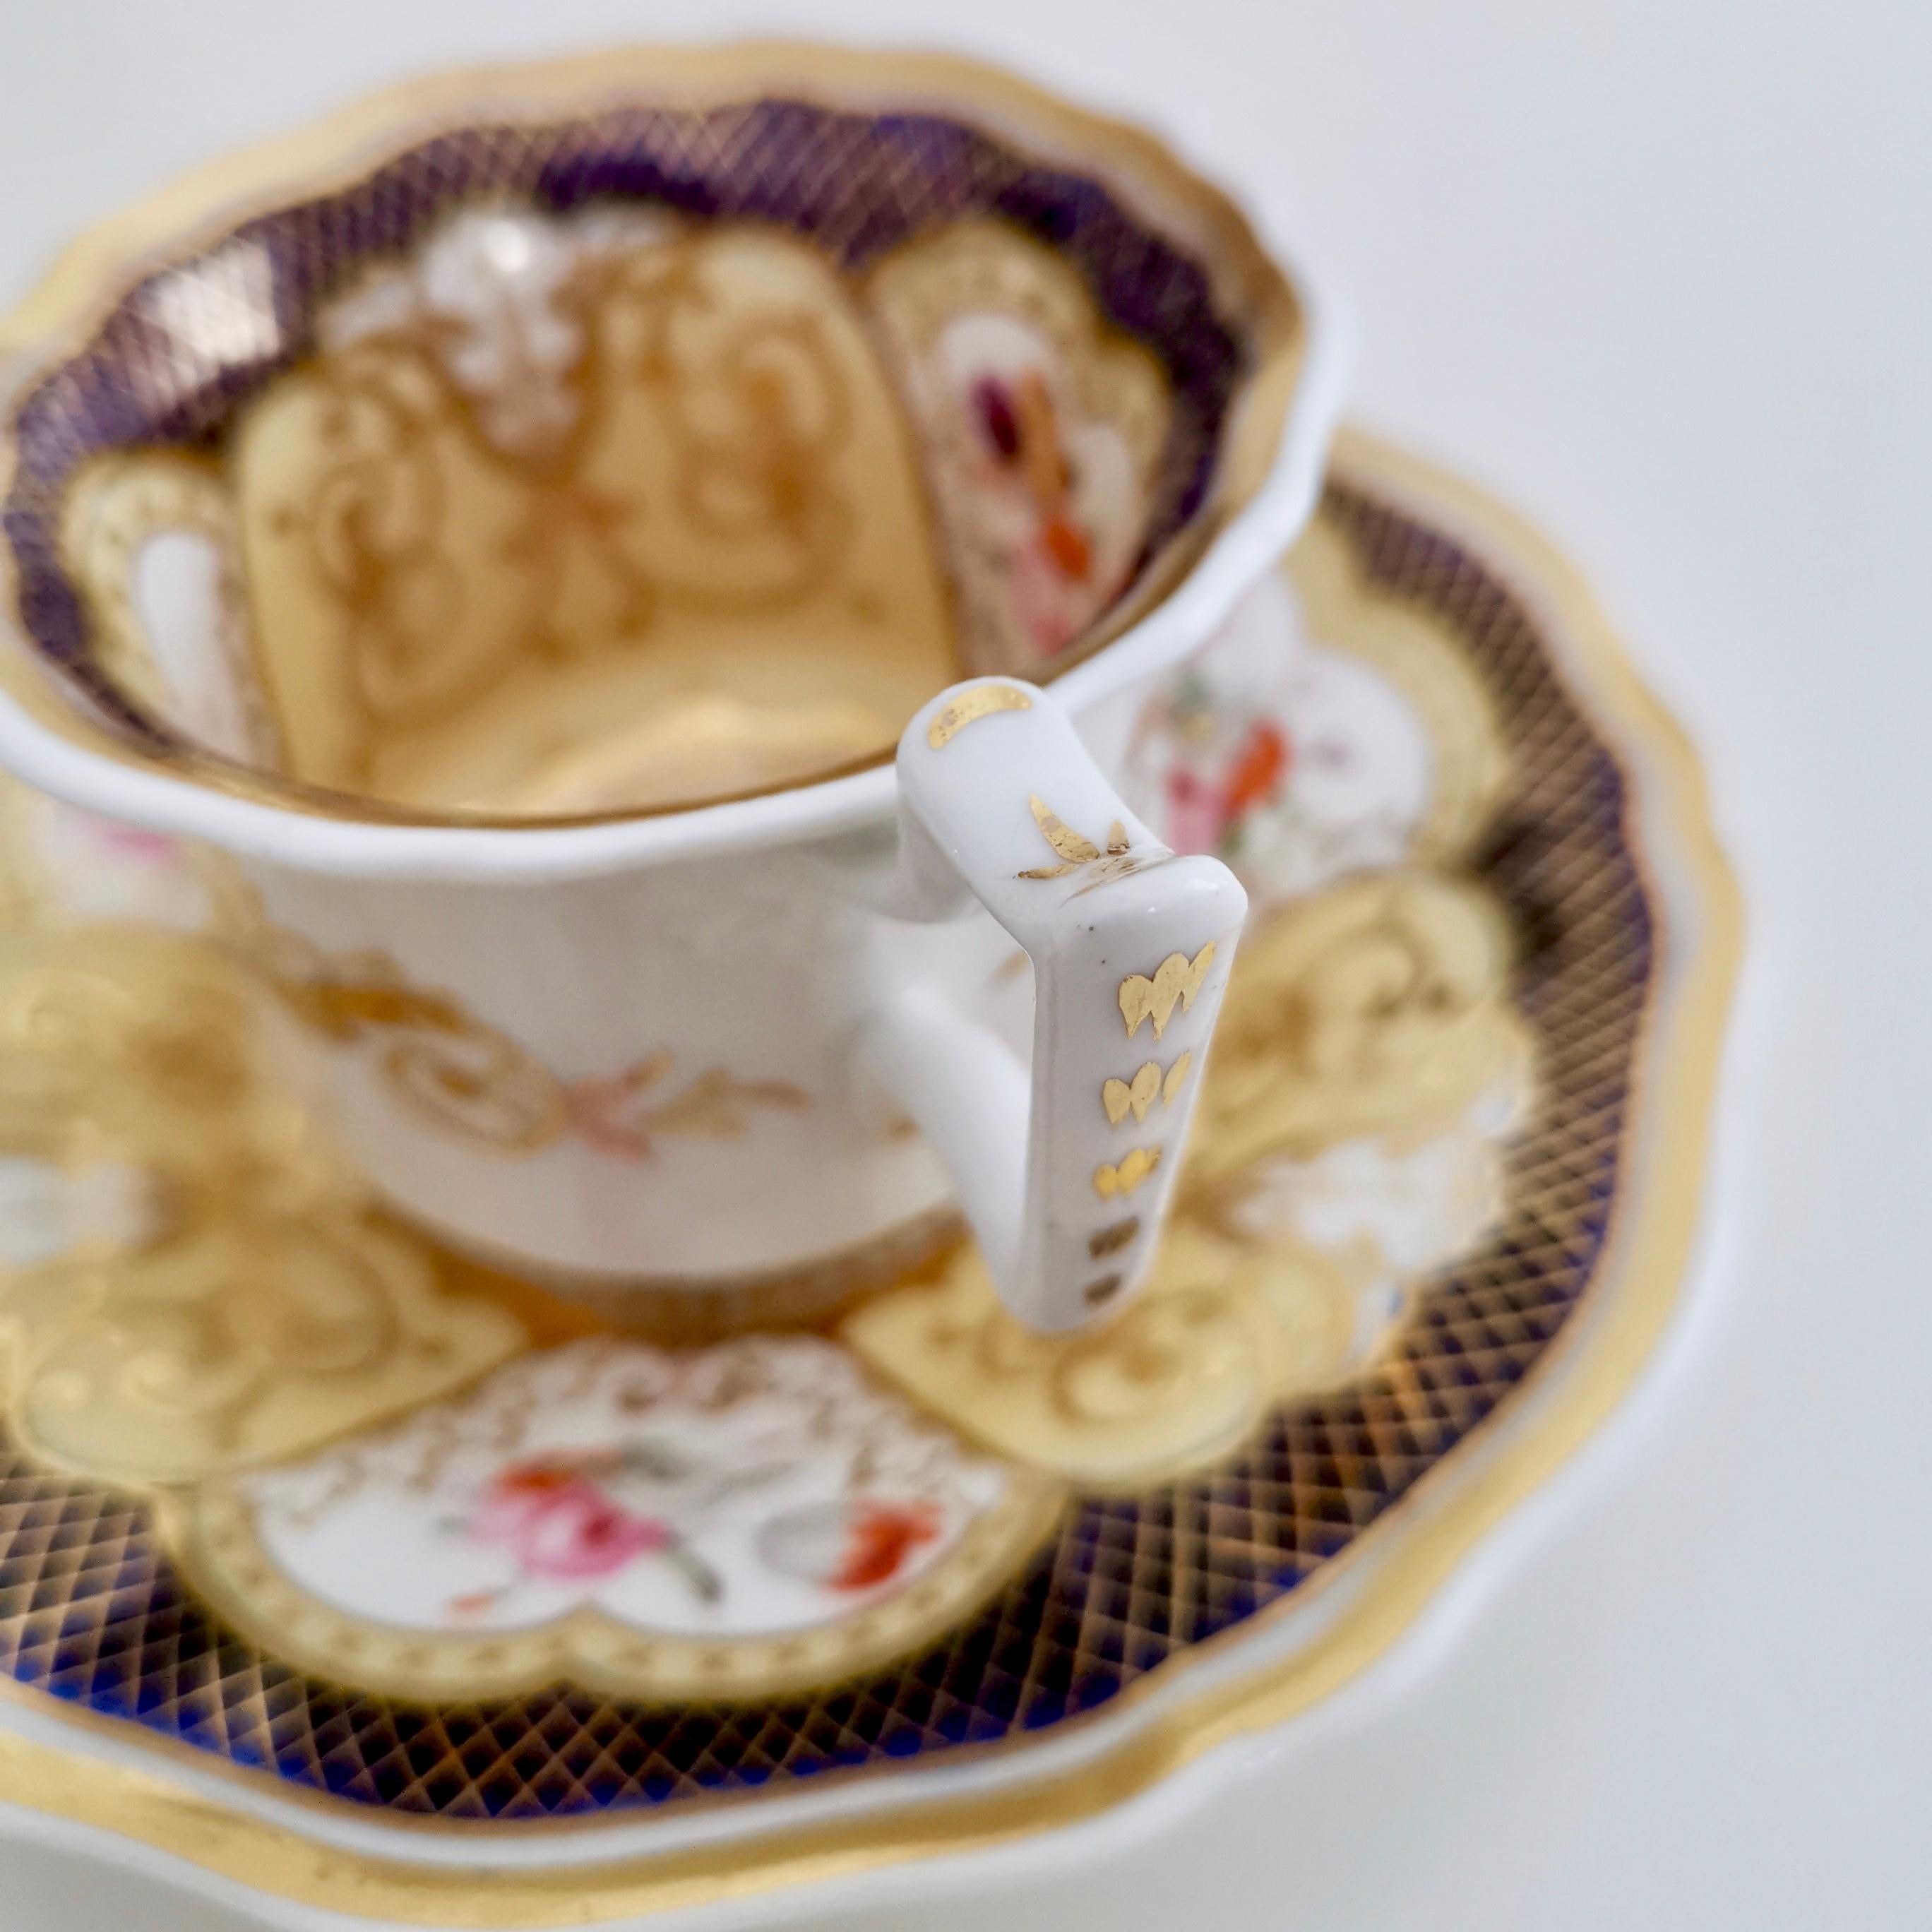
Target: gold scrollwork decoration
{"x": 514, "y": 452}
{"x": 457, "y": 1073}
{"x": 1381, "y": 1004}
{"x": 1171, "y": 1380}
{"x": 193, "y": 1281}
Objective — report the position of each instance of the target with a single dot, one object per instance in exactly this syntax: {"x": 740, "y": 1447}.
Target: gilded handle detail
{"x": 1000, "y": 803}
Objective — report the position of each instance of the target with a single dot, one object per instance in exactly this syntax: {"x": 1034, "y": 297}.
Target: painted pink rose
{"x": 603, "y": 1112}
{"x": 560, "y": 1527}
{"x": 1040, "y": 602}
{"x": 135, "y": 843}
{"x": 1193, "y": 821}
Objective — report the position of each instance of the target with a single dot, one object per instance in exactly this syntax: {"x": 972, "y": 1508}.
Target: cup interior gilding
{"x": 617, "y": 438}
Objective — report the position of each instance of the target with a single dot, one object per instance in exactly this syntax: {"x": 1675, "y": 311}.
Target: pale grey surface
{"x": 46, "y": 1890}
{"x": 1660, "y": 273}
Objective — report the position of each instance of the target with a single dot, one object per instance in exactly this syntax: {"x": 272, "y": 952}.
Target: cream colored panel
{"x": 574, "y": 515}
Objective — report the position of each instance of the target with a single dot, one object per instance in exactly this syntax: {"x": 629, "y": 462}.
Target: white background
{"x": 1662, "y": 274}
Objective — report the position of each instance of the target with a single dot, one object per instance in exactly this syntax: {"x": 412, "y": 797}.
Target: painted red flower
{"x": 1258, "y": 770}
{"x": 999, "y": 422}
{"x": 879, "y": 1537}
{"x": 1202, "y": 813}
{"x": 609, "y": 1111}
{"x": 1064, "y": 541}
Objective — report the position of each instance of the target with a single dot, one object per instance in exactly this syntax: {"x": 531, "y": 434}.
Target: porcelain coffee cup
{"x": 514, "y": 524}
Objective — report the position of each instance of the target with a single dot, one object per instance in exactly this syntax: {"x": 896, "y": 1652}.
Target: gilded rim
{"x": 1650, "y": 1245}
{"x": 100, "y": 268}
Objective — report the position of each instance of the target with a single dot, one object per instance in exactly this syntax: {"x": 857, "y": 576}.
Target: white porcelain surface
{"x": 700, "y": 1070}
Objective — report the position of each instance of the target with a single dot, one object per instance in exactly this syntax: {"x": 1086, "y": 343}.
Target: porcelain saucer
{"x": 337, "y": 1568}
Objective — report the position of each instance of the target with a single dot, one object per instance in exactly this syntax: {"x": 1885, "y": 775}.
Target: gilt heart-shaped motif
{"x": 1177, "y": 1078}
{"x": 1117, "y": 1095}
{"x": 1177, "y": 978}
{"x": 1109, "y": 1180}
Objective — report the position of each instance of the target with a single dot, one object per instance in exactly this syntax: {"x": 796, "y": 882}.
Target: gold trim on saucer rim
{"x": 1598, "y": 1358}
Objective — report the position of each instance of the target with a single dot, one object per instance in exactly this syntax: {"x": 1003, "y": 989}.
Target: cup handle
{"x": 1066, "y": 1173}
